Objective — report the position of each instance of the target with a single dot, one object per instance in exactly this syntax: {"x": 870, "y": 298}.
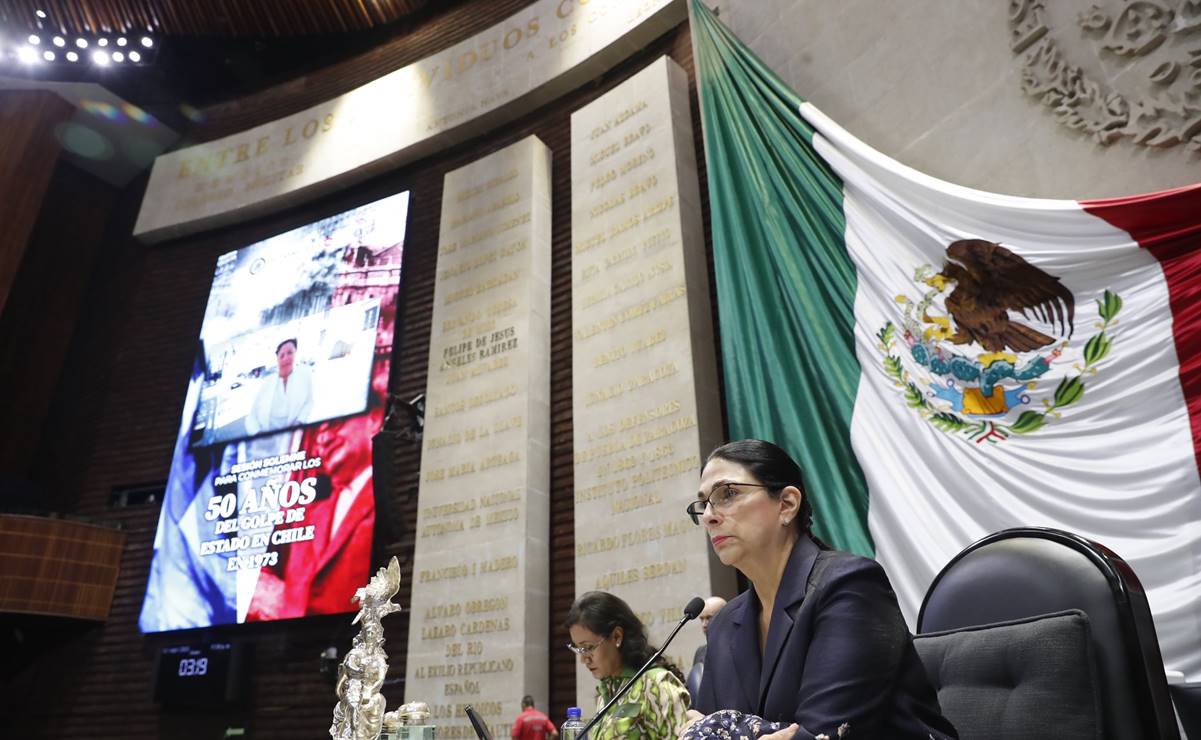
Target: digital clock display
{"x": 193, "y": 666}
{"x": 205, "y": 675}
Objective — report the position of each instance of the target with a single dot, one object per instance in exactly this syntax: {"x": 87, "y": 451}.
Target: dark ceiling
{"x": 234, "y": 18}
{"x": 208, "y": 51}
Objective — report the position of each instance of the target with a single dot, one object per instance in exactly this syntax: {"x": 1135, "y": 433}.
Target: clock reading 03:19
{"x": 193, "y": 666}
{"x": 205, "y": 674}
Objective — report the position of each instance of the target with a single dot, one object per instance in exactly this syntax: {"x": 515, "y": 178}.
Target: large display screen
{"x": 269, "y": 509}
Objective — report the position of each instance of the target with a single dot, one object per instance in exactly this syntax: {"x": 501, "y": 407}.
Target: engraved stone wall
{"x": 479, "y": 607}
{"x": 1069, "y": 62}
{"x": 645, "y": 391}
{"x": 938, "y": 86}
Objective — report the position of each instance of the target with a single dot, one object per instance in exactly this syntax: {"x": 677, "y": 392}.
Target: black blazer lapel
{"x": 783, "y": 613}
{"x": 744, "y": 648}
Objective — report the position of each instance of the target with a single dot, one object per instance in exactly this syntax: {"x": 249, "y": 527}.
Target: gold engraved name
{"x": 593, "y": 241}
{"x": 492, "y": 207}
{"x": 627, "y": 423}
{"x": 667, "y": 470}
{"x": 629, "y": 113}
{"x": 510, "y": 496}
{"x": 643, "y": 186}
{"x": 443, "y": 574}
{"x": 458, "y": 376}
{"x": 637, "y": 161}
{"x": 442, "y": 611}
{"x": 495, "y": 565}
{"x": 604, "y": 153}
{"x": 481, "y": 626}
{"x": 454, "y": 507}
{"x": 621, "y": 388}
{"x": 629, "y": 314}
{"x": 601, "y": 490}
{"x": 438, "y": 631}
{"x": 664, "y": 569}
{"x": 603, "y": 179}
{"x": 617, "y": 578}
{"x": 471, "y": 192}
{"x": 636, "y": 134}
{"x": 438, "y": 529}
{"x": 608, "y": 205}
{"x": 474, "y": 401}
{"x": 639, "y": 536}
{"x": 659, "y": 207}
{"x": 637, "y": 501}
{"x": 482, "y": 287}
{"x": 481, "y": 606}
{"x": 479, "y": 236}
{"x": 461, "y": 320}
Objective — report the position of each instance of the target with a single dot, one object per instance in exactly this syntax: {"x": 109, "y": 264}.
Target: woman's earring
{"x": 787, "y": 522}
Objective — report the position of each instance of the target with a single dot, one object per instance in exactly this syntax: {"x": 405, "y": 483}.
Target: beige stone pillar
{"x": 645, "y": 405}
{"x": 478, "y": 626}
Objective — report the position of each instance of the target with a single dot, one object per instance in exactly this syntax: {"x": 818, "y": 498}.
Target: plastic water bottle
{"x": 572, "y": 726}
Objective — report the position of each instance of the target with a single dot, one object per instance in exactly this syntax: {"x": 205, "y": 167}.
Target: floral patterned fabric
{"x": 653, "y": 708}
{"x": 730, "y": 724}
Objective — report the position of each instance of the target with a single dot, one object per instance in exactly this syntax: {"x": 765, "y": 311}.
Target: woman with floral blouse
{"x": 611, "y": 643}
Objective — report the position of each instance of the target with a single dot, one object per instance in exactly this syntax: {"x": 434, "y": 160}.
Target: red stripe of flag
{"x": 1168, "y": 224}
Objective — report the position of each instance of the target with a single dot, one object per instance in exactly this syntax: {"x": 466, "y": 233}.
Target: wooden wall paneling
{"x": 58, "y": 567}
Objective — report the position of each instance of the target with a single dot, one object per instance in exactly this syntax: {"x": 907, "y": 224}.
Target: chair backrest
{"x": 1028, "y": 571}
{"x": 1016, "y": 679}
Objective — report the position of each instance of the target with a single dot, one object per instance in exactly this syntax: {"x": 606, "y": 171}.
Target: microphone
{"x": 691, "y": 611}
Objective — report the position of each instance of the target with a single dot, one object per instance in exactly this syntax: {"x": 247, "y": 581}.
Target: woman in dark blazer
{"x": 818, "y": 641}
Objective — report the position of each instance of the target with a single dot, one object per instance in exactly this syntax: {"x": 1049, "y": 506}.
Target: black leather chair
{"x": 1021, "y": 573}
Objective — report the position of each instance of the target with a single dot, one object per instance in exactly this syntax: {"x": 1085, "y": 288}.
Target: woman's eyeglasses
{"x": 582, "y": 650}
{"x": 722, "y": 495}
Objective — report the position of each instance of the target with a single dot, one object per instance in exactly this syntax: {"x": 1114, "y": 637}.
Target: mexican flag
{"x": 945, "y": 362}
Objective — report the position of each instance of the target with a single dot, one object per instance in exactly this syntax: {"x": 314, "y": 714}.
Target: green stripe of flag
{"x": 785, "y": 283}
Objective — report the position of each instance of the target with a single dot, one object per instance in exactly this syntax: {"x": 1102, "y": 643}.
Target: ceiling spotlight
{"x": 147, "y": 42}
{"x": 59, "y": 41}
{"x": 135, "y": 57}
{"x": 27, "y": 55}
{"x": 34, "y": 40}
{"x": 72, "y": 56}
{"x": 100, "y": 58}
{"x": 81, "y": 43}
{"x": 102, "y": 42}
{"x": 48, "y": 55}
{"x": 121, "y": 41}
{"x": 118, "y": 57}
{"x": 41, "y": 14}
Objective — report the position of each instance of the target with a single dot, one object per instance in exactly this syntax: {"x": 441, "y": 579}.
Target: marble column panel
{"x": 480, "y": 576}
{"x": 644, "y": 381}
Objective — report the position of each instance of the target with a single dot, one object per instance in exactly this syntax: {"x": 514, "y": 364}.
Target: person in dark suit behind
{"x": 713, "y": 605}
{"x": 818, "y": 642}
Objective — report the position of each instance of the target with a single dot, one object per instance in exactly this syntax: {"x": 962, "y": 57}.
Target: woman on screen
{"x": 611, "y": 643}
{"x": 285, "y": 399}
{"x": 818, "y": 640}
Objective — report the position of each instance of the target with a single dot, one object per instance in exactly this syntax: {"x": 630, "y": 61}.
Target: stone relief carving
{"x": 1120, "y": 69}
